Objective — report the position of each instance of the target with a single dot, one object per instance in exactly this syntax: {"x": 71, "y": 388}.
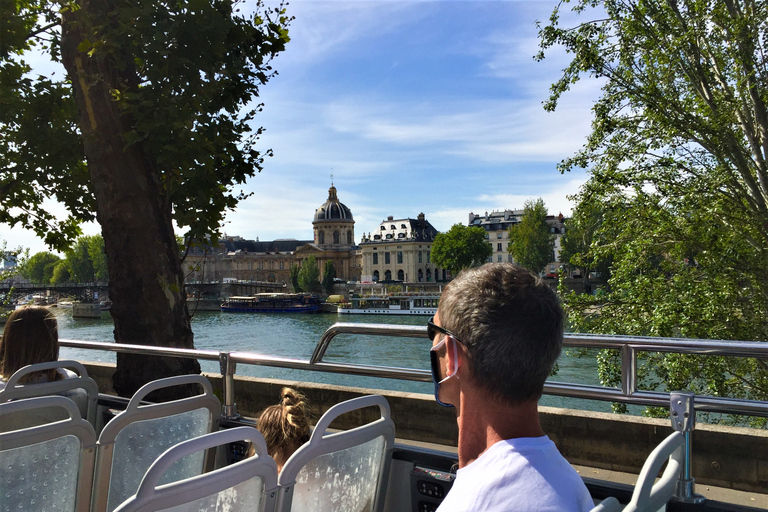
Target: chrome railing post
{"x": 683, "y": 415}
{"x": 228, "y": 367}
{"x": 628, "y": 370}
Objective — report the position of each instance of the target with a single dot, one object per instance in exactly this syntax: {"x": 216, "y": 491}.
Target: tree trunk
{"x": 146, "y": 283}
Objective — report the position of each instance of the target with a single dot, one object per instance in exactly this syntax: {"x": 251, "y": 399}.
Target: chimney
{"x": 390, "y": 218}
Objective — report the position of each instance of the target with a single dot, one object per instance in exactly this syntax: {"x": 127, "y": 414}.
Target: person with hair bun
{"x": 285, "y": 426}
{"x": 30, "y": 336}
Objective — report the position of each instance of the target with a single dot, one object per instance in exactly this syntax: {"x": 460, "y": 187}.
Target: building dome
{"x": 333, "y": 209}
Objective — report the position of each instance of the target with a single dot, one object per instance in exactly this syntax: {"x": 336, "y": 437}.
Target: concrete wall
{"x": 727, "y": 457}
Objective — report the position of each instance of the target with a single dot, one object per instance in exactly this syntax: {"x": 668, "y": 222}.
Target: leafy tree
{"x": 157, "y": 100}
{"x": 309, "y": 276}
{"x": 461, "y": 247}
{"x": 678, "y": 160}
{"x": 35, "y": 267}
{"x": 295, "y": 278}
{"x": 329, "y": 274}
{"x": 62, "y": 272}
{"x": 98, "y": 258}
{"x": 80, "y": 263}
{"x": 530, "y": 242}
{"x": 576, "y": 245}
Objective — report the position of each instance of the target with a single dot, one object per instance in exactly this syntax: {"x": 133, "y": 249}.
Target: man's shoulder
{"x": 519, "y": 474}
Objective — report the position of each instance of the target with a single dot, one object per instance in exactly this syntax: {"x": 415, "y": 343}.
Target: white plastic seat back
{"x": 248, "y": 485}
{"x": 343, "y": 470}
{"x": 609, "y": 504}
{"x": 48, "y": 466}
{"x": 649, "y": 496}
{"x": 136, "y": 437}
{"x": 82, "y": 390}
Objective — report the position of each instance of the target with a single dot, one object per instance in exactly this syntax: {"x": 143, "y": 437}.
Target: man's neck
{"x": 484, "y": 421}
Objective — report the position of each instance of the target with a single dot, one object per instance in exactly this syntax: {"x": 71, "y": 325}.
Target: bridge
{"x": 91, "y": 291}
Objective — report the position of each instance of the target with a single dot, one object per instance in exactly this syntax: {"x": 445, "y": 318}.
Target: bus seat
{"x": 47, "y": 466}
{"x": 82, "y": 390}
{"x": 247, "y": 485}
{"x": 137, "y": 436}
{"x": 649, "y": 496}
{"x": 341, "y": 470}
{"x": 609, "y": 504}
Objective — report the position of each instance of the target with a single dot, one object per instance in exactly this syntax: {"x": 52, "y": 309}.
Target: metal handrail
{"x": 629, "y": 346}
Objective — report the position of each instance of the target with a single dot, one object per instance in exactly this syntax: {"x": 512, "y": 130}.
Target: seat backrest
{"x": 341, "y": 470}
{"x": 47, "y": 466}
{"x": 609, "y": 504}
{"x": 137, "y": 436}
{"x": 649, "y": 496}
{"x": 250, "y": 484}
{"x": 82, "y": 390}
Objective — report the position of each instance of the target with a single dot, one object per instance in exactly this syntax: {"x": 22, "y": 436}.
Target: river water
{"x": 295, "y": 336}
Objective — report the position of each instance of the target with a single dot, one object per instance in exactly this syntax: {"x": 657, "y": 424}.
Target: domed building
{"x": 334, "y": 239}
{"x": 251, "y": 260}
{"x": 334, "y": 226}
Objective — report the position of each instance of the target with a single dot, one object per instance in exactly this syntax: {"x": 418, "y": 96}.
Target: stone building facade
{"x": 251, "y": 260}
{"x": 399, "y": 250}
{"x": 497, "y": 224}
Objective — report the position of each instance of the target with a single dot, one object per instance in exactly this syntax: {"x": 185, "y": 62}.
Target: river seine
{"x": 295, "y": 336}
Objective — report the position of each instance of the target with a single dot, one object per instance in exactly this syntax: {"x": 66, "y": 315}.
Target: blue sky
{"x": 430, "y": 106}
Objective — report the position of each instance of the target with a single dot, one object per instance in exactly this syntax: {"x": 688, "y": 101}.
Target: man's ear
{"x": 453, "y": 358}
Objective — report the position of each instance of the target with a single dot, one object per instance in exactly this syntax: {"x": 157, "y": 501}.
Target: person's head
{"x": 285, "y": 426}
{"x": 30, "y": 336}
{"x": 510, "y": 324}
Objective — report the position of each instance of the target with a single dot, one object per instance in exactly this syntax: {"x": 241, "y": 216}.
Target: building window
{"x": 499, "y": 258}
{"x": 375, "y": 275}
{"x": 261, "y": 265}
{"x": 498, "y": 247}
{"x": 393, "y": 226}
{"x": 271, "y": 265}
{"x": 336, "y": 237}
{"x": 421, "y": 275}
{"x": 375, "y": 258}
{"x": 388, "y": 275}
{"x": 401, "y": 275}
{"x": 429, "y": 257}
{"x": 402, "y": 226}
{"x": 399, "y": 256}
{"x": 321, "y": 237}
{"x": 498, "y": 235}
{"x": 349, "y": 237}
{"x": 282, "y": 265}
{"x": 429, "y": 274}
{"x": 386, "y": 258}
{"x": 420, "y": 257}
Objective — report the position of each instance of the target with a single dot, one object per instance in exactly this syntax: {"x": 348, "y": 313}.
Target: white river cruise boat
{"x": 405, "y": 304}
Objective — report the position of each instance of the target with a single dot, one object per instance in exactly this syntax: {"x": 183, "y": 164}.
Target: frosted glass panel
{"x": 41, "y": 477}
{"x": 139, "y": 444}
{"x": 343, "y": 481}
{"x": 243, "y": 496}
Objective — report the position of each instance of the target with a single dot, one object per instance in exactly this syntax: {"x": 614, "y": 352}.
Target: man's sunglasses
{"x": 433, "y": 330}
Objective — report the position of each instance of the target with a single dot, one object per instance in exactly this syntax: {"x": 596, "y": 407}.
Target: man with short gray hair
{"x": 496, "y": 335}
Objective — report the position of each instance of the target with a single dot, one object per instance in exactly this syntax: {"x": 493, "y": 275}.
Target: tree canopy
{"x": 309, "y": 275}
{"x": 530, "y": 242}
{"x": 461, "y": 247}
{"x": 151, "y": 126}
{"x": 329, "y": 274}
{"x": 678, "y": 164}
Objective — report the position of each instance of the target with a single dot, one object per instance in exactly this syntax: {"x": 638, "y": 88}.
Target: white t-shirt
{"x": 520, "y": 475}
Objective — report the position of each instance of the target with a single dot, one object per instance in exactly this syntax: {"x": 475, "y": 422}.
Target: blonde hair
{"x": 285, "y": 426}
{"x": 30, "y": 336}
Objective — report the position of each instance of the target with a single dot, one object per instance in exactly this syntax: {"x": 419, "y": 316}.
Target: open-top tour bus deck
{"x": 705, "y": 467}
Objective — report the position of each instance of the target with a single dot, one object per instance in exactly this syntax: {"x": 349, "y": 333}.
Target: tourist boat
{"x": 273, "y": 303}
{"x": 105, "y": 305}
{"x": 404, "y": 304}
